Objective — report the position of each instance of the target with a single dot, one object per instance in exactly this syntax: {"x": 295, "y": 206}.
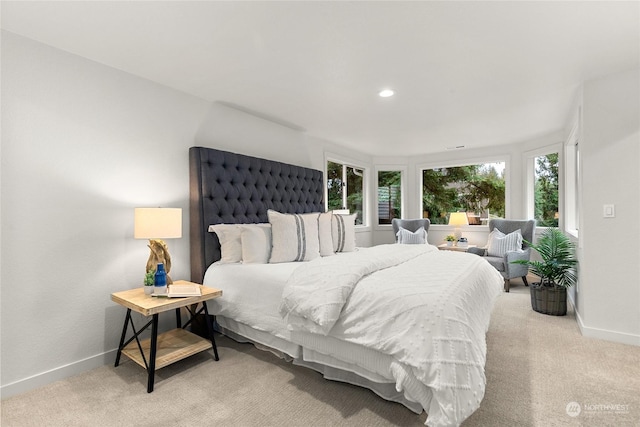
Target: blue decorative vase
{"x": 160, "y": 280}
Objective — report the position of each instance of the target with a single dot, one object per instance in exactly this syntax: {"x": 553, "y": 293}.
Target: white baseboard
{"x": 603, "y": 334}
{"x": 57, "y": 374}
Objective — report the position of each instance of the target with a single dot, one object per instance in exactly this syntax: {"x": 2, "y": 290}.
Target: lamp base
{"x": 159, "y": 255}
{"x": 458, "y": 233}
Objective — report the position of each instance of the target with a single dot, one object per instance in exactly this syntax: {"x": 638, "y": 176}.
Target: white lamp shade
{"x": 157, "y": 223}
{"x": 458, "y": 218}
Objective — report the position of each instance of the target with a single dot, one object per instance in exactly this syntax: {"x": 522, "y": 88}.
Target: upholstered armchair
{"x": 504, "y": 263}
{"x": 409, "y": 224}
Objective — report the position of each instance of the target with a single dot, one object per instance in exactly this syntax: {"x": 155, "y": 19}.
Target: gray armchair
{"x": 409, "y": 224}
{"x": 503, "y": 264}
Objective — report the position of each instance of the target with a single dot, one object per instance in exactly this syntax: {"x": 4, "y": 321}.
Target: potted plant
{"x": 149, "y": 282}
{"x": 450, "y": 239}
{"x": 557, "y": 272}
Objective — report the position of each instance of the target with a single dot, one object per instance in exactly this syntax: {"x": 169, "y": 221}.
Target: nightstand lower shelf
{"x": 172, "y": 346}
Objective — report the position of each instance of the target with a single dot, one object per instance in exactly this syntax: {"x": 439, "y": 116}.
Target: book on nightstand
{"x": 181, "y": 291}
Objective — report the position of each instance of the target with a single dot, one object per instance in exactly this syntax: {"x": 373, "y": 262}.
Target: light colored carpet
{"x": 536, "y": 366}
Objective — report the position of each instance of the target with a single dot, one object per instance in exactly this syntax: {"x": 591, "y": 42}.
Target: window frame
{"x": 335, "y": 158}
{"x": 529, "y": 160}
{"x": 403, "y": 193}
{"x": 572, "y": 181}
{"x": 506, "y": 159}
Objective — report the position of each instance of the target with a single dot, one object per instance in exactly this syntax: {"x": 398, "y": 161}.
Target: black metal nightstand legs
{"x": 210, "y": 329}
{"x": 152, "y": 356}
{"x": 150, "y": 364}
{"x": 124, "y": 334}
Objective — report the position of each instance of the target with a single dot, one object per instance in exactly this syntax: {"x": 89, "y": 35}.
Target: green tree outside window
{"x": 478, "y": 190}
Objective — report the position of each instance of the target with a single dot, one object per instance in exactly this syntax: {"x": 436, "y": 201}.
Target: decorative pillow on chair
{"x": 499, "y": 243}
{"x": 294, "y": 237}
{"x": 406, "y": 237}
{"x": 343, "y": 230}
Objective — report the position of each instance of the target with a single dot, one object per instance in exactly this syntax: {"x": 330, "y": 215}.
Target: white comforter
{"x": 427, "y": 309}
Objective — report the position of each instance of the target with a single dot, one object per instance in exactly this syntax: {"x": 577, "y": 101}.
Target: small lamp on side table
{"x": 155, "y": 224}
{"x": 458, "y": 219}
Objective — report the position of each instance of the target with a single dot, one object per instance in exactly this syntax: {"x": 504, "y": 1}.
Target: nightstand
{"x": 169, "y": 347}
{"x": 445, "y": 247}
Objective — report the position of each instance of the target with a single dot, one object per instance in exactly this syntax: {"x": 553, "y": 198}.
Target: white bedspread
{"x": 427, "y": 309}
{"x": 315, "y": 293}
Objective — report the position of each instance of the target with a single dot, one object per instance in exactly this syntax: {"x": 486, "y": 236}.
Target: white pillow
{"x": 230, "y": 238}
{"x": 499, "y": 243}
{"x": 406, "y": 237}
{"x": 343, "y": 231}
{"x": 230, "y": 244}
{"x": 256, "y": 244}
{"x": 294, "y": 237}
{"x": 324, "y": 234}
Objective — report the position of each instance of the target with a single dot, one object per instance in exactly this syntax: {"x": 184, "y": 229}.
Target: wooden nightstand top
{"x": 136, "y": 300}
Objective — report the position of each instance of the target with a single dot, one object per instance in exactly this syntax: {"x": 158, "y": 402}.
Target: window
{"x": 543, "y": 185}
{"x": 476, "y": 189}
{"x": 345, "y": 188}
{"x": 572, "y": 187}
{"x": 545, "y": 190}
{"x": 389, "y": 195}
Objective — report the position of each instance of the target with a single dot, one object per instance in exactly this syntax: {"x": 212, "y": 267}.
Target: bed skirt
{"x": 331, "y": 368}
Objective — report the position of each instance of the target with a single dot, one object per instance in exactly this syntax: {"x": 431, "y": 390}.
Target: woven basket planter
{"x": 549, "y": 300}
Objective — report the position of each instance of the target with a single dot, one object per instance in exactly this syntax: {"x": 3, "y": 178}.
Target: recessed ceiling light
{"x": 386, "y": 93}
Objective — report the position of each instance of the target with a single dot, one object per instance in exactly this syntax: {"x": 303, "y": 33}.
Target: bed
{"x": 406, "y": 321}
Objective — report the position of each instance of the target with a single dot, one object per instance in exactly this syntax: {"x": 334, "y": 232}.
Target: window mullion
{"x": 344, "y": 186}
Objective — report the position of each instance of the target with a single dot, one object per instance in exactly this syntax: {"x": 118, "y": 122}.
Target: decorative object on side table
{"x": 463, "y": 242}
{"x": 557, "y": 272}
{"x": 149, "y": 282}
{"x": 160, "y": 280}
{"x": 450, "y": 239}
{"x": 155, "y": 224}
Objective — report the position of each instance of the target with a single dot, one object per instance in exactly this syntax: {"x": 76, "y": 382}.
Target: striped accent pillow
{"x": 294, "y": 237}
{"x": 343, "y": 231}
{"x": 499, "y": 243}
{"x": 406, "y": 237}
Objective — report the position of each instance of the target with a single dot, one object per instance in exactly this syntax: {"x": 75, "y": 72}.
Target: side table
{"x": 445, "y": 247}
{"x": 169, "y": 347}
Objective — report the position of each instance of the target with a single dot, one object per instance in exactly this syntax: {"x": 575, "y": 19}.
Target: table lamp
{"x": 156, "y": 224}
{"x": 458, "y": 219}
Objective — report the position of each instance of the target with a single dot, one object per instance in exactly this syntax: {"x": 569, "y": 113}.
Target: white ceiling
{"x": 465, "y": 73}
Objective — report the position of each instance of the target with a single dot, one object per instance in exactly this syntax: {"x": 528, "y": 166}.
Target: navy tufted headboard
{"x": 229, "y": 188}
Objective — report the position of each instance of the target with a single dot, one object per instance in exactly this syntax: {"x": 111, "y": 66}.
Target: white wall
{"x": 609, "y": 292}
{"x": 82, "y": 145}
{"x": 238, "y": 132}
